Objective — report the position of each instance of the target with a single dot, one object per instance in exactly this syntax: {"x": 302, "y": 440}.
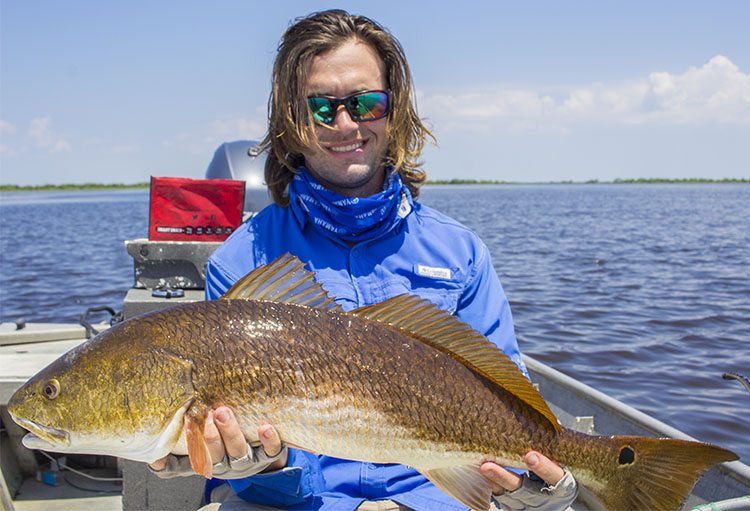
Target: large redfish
{"x": 398, "y": 382}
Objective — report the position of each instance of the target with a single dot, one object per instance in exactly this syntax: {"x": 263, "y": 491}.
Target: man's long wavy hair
{"x": 290, "y": 130}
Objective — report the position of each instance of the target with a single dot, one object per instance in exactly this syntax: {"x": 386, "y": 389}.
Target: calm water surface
{"x": 642, "y": 292}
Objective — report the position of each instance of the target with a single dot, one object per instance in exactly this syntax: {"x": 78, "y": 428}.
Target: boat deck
{"x": 34, "y": 495}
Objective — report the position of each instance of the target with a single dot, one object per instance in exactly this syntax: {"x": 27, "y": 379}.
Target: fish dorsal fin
{"x": 286, "y": 280}
{"x": 447, "y": 333}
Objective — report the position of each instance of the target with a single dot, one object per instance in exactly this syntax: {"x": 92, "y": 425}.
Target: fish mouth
{"x": 41, "y": 436}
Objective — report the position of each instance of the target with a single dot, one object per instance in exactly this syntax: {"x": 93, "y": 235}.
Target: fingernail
{"x": 221, "y": 417}
{"x": 532, "y": 460}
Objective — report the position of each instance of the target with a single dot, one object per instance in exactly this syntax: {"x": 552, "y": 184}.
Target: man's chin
{"x": 356, "y": 180}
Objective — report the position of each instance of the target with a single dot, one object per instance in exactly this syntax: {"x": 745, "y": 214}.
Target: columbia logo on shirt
{"x": 433, "y": 272}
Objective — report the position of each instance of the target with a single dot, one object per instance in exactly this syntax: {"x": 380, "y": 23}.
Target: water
{"x": 62, "y": 252}
{"x": 642, "y": 292}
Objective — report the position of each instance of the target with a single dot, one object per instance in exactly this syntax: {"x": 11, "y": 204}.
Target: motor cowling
{"x": 241, "y": 160}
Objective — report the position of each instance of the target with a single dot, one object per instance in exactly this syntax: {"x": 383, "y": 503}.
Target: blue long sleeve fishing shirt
{"x": 426, "y": 254}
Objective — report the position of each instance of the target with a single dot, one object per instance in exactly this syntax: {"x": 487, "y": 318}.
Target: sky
{"x": 115, "y": 92}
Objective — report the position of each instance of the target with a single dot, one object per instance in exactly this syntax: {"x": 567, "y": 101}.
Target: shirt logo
{"x": 433, "y": 272}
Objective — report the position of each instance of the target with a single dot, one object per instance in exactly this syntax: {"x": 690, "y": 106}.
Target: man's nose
{"x": 343, "y": 120}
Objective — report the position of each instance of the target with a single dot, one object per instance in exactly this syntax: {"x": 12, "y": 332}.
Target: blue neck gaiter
{"x": 351, "y": 219}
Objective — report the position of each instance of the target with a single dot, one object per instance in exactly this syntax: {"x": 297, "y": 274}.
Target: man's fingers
{"x": 230, "y": 432}
{"x": 549, "y": 471}
{"x": 270, "y": 440}
{"x": 159, "y": 464}
{"x": 213, "y": 439}
{"x": 500, "y": 479}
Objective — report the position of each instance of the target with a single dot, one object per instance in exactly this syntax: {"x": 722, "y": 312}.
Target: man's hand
{"x": 230, "y": 454}
{"x": 557, "y": 490}
{"x": 223, "y": 435}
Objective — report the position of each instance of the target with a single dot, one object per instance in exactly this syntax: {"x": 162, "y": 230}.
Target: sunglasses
{"x": 369, "y": 105}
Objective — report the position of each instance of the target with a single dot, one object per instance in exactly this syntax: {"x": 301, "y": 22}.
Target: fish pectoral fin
{"x": 200, "y": 456}
{"x": 464, "y": 483}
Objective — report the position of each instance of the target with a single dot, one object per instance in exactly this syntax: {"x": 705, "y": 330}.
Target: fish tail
{"x": 629, "y": 472}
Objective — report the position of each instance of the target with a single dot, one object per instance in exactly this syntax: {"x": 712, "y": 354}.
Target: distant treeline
{"x": 467, "y": 182}
{"x": 644, "y": 180}
{"x": 686, "y": 180}
{"x": 72, "y": 186}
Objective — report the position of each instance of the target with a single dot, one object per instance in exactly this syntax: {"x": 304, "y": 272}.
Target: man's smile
{"x": 347, "y": 148}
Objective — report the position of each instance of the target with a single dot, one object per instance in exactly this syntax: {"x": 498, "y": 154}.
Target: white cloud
{"x": 6, "y": 128}
{"x": 510, "y": 103}
{"x": 45, "y": 138}
{"x": 203, "y": 139}
{"x": 715, "y": 92}
{"x": 236, "y": 128}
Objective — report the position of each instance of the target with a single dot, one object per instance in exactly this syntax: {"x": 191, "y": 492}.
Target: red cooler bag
{"x": 185, "y": 209}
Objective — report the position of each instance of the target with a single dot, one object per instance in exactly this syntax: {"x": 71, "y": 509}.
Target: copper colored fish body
{"x": 398, "y": 382}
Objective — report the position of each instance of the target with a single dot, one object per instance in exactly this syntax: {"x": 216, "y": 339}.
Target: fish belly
{"x": 334, "y": 427}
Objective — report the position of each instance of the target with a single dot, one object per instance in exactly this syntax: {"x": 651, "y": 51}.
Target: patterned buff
{"x": 349, "y": 218}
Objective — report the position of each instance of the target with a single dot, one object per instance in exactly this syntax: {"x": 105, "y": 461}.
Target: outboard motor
{"x": 241, "y": 160}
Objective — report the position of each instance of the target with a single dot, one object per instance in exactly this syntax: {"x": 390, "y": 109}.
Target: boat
{"x": 31, "y": 481}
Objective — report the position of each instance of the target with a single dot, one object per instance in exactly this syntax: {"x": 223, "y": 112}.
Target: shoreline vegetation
{"x": 642, "y": 180}
{"x": 137, "y": 186}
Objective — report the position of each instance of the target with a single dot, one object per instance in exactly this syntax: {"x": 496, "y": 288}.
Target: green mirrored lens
{"x": 368, "y": 105}
{"x": 322, "y": 109}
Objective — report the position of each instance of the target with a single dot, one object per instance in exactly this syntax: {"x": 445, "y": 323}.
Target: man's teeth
{"x": 346, "y": 148}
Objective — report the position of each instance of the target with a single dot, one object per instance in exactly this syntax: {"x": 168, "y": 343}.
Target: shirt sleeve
{"x": 290, "y": 486}
{"x": 218, "y": 281}
{"x": 296, "y": 482}
{"x": 484, "y": 306}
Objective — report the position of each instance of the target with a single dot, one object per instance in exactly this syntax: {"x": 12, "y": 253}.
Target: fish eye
{"x": 51, "y": 389}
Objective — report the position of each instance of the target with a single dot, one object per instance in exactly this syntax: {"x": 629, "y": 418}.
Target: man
{"x": 342, "y": 169}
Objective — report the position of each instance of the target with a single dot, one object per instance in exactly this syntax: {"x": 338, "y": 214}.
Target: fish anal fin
{"x": 285, "y": 280}
{"x": 445, "y": 332}
{"x": 464, "y": 483}
{"x": 200, "y": 456}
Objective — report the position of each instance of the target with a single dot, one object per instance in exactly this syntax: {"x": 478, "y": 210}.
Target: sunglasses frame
{"x": 335, "y": 102}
